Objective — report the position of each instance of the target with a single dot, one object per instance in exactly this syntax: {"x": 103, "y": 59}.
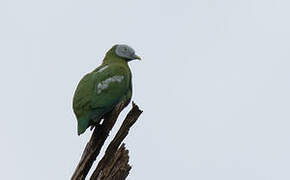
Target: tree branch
{"x": 98, "y": 138}
{"x": 118, "y": 167}
{"x": 104, "y": 169}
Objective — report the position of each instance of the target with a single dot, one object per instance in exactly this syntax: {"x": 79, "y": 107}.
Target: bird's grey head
{"x": 126, "y": 52}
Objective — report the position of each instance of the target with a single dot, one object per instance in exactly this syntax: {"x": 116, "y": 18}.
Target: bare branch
{"x": 118, "y": 167}
{"x": 116, "y": 160}
{"x": 95, "y": 144}
{"x": 104, "y": 169}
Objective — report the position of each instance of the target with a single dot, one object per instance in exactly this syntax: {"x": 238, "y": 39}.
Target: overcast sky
{"x": 214, "y": 85}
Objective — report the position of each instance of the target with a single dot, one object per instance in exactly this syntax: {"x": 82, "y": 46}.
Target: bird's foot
{"x": 95, "y": 126}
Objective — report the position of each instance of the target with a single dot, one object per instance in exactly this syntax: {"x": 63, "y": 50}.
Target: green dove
{"x": 99, "y": 91}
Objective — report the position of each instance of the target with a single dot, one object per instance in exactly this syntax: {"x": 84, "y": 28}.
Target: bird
{"x": 99, "y": 91}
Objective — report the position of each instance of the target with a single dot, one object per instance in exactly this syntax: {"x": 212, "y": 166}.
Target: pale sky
{"x": 214, "y": 85}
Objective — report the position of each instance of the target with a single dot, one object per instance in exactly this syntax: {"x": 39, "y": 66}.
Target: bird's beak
{"x": 136, "y": 57}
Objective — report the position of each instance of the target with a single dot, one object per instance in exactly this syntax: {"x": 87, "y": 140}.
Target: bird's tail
{"x": 83, "y": 124}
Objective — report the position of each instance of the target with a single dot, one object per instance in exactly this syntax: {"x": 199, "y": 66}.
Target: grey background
{"x": 213, "y": 84}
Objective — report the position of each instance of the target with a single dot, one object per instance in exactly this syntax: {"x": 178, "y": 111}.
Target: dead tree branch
{"x": 101, "y": 172}
{"x": 96, "y": 142}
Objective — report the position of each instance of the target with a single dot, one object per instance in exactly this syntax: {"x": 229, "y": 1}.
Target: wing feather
{"x": 100, "y": 90}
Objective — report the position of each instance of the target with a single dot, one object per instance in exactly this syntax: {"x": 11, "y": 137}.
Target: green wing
{"x": 98, "y": 92}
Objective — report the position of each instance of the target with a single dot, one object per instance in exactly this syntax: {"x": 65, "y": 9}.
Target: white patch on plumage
{"x": 103, "y": 68}
{"x": 105, "y": 84}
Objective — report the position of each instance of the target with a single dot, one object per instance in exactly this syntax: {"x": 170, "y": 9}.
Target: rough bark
{"x": 117, "y": 168}
{"x": 103, "y": 170}
{"x": 114, "y": 161}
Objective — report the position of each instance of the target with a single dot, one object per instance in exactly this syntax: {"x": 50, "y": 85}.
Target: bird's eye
{"x": 125, "y": 49}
